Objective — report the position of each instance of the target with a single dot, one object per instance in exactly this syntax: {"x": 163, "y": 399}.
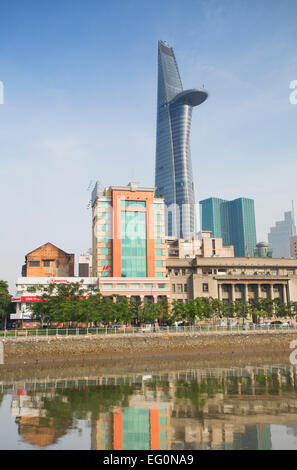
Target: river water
{"x": 199, "y": 407}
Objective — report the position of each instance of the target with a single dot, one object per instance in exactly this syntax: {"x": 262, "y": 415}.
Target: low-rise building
{"x": 48, "y": 261}
{"x": 85, "y": 265}
{"x": 232, "y": 279}
{"x": 263, "y": 250}
{"x": 24, "y": 298}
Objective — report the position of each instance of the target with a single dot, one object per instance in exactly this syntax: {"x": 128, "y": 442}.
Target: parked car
{"x": 285, "y": 324}
{"x": 115, "y": 326}
{"x": 266, "y": 324}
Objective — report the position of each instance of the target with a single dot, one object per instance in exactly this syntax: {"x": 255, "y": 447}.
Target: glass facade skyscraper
{"x": 279, "y": 235}
{"x": 233, "y": 221}
{"x": 173, "y": 168}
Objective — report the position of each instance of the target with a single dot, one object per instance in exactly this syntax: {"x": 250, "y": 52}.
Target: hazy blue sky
{"x": 80, "y": 80}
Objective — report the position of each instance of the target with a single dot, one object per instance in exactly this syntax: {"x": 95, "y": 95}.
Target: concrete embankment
{"x": 218, "y": 345}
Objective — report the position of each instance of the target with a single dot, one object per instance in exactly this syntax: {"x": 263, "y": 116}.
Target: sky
{"x": 80, "y": 95}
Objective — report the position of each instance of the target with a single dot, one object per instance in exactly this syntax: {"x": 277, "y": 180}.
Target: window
{"x": 183, "y": 272}
{"x": 159, "y": 274}
{"x": 158, "y": 251}
{"x": 158, "y": 228}
{"x": 161, "y": 286}
{"x": 132, "y": 203}
{"x": 104, "y": 215}
{"x": 185, "y": 287}
{"x": 207, "y": 271}
{"x": 157, "y": 207}
{"x": 104, "y": 251}
{"x": 157, "y": 217}
{"x": 121, "y": 286}
{"x": 104, "y": 227}
{"x": 104, "y": 239}
{"x": 159, "y": 263}
{"x": 134, "y": 286}
{"x": 205, "y": 287}
{"x": 46, "y": 263}
{"x": 104, "y": 263}
{"x": 158, "y": 241}
{"x": 104, "y": 204}
{"x": 34, "y": 264}
{"x": 173, "y": 287}
{"x": 179, "y": 288}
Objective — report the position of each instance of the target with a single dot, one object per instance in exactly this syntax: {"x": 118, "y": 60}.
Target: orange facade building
{"x": 129, "y": 250}
{"x": 48, "y": 261}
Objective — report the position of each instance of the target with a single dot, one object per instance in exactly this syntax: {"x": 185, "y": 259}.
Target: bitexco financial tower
{"x": 173, "y": 169}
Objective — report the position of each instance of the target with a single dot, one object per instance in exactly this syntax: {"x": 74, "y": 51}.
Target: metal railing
{"x": 44, "y": 332}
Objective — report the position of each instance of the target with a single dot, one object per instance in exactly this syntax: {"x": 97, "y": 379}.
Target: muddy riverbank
{"x": 237, "y": 347}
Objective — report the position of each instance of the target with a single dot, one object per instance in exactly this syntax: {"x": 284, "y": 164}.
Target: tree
{"x": 162, "y": 310}
{"x": 5, "y": 301}
{"x": 65, "y": 302}
{"x": 178, "y": 311}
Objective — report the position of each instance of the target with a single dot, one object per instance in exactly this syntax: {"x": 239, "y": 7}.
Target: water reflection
{"x": 196, "y": 409}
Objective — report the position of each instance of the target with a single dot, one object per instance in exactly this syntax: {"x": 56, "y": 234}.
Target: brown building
{"x": 48, "y": 261}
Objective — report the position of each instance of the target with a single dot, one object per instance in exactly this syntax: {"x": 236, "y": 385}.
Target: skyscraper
{"x": 279, "y": 235}
{"x": 173, "y": 169}
{"x": 233, "y": 221}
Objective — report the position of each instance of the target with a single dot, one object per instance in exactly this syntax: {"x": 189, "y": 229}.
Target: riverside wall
{"x": 25, "y": 350}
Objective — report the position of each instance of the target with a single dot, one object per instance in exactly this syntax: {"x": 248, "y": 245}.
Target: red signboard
{"x": 26, "y": 298}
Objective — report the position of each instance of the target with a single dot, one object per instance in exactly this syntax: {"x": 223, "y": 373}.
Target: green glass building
{"x": 233, "y": 221}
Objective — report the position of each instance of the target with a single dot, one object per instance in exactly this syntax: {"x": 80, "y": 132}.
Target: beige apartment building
{"x": 204, "y": 246}
{"x": 230, "y": 279}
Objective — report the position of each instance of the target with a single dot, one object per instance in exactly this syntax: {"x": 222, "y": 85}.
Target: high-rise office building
{"x": 173, "y": 170}
{"x": 233, "y": 221}
{"x": 279, "y": 235}
{"x": 128, "y": 247}
{"x": 293, "y": 246}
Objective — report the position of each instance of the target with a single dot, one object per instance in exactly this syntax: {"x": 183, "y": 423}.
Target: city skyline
{"x": 80, "y": 103}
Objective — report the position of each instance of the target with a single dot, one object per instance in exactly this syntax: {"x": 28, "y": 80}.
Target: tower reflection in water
{"x": 197, "y": 409}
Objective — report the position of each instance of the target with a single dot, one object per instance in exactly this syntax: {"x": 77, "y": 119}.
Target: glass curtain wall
{"x": 133, "y": 244}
